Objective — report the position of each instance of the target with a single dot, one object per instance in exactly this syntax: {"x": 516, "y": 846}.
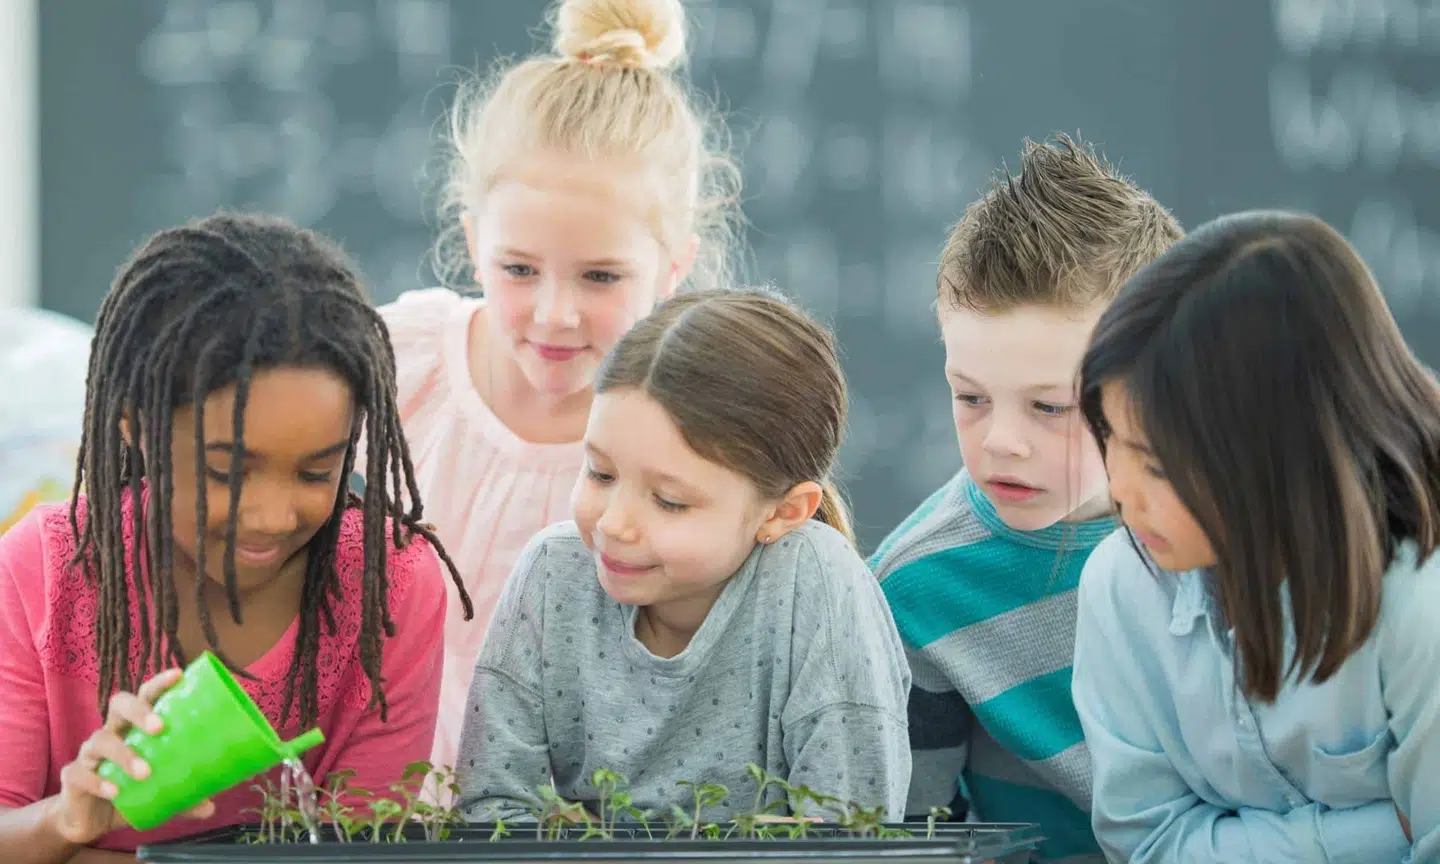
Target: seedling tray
{"x": 952, "y": 843}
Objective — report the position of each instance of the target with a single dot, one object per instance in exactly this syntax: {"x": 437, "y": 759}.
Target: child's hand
{"x": 82, "y": 812}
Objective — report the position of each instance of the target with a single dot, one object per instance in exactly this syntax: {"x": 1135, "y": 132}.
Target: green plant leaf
{"x": 385, "y": 808}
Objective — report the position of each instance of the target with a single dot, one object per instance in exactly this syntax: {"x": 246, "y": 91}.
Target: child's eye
{"x": 603, "y": 277}
{"x": 598, "y": 477}
{"x": 519, "y": 271}
{"x": 1052, "y": 410}
{"x": 217, "y": 475}
{"x": 671, "y": 506}
{"x": 316, "y": 476}
{"x": 1155, "y": 471}
{"x": 970, "y": 400}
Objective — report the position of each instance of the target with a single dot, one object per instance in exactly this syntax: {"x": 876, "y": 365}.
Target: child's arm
{"x": 1144, "y": 810}
{"x": 25, "y": 822}
{"x": 940, "y": 726}
{"x": 854, "y": 753}
{"x": 379, "y": 751}
{"x": 844, "y": 724}
{"x": 504, "y": 751}
{"x": 25, "y": 717}
{"x": 36, "y": 828}
{"x": 1409, "y": 648}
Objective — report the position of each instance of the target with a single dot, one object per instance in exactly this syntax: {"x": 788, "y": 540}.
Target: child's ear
{"x": 467, "y": 223}
{"x": 680, "y": 268}
{"x": 794, "y": 510}
{"x": 126, "y": 433}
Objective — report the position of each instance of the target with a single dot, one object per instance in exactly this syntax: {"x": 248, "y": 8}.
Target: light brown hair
{"x": 1067, "y": 231}
{"x": 753, "y": 384}
{"x": 607, "y": 92}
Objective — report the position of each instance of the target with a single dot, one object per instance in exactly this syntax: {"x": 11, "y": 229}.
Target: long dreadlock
{"x": 199, "y": 308}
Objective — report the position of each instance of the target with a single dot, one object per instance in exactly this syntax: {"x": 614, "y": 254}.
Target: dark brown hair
{"x": 1067, "y": 231}
{"x": 1281, "y": 401}
{"x": 199, "y": 308}
{"x": 753, "y": 384}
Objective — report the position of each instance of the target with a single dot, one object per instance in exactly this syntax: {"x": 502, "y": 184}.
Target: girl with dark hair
{"x": 235, "y": 364}
{"x": 1255, "y": 665}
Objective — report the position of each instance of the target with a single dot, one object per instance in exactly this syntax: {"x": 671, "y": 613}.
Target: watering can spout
{"x": 295, "y": 746}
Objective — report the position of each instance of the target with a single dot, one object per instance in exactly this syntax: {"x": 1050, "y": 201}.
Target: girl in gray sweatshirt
{"x": 706, "y": 608}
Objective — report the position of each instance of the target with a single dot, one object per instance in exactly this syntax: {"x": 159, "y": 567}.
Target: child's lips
{"x": 1150, "y": 541}
{"x": 1010, "y": 489}
{"x": 621, "y": 568}
{"x": 258, "y": 554}
{"x": 556, "y": 353}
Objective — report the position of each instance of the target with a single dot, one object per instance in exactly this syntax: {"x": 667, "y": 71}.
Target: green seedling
{"x": 429, "y": 796}
{"x": 703, "y": 795}
{"x": 937, "y": 814}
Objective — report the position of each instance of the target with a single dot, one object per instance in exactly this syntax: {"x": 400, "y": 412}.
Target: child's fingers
{"x": 129, "y": 709}
{"x": 77, "y": 778}
{"x": 204, "y": 810}
{"x": 106, "y": 745}
{"x": 152, "y": 689}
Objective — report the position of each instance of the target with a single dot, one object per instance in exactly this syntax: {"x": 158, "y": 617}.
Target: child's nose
{"x": 616, "y": 522}
{"x": 555, "y": 304}
{"x": 1005, "y": 437}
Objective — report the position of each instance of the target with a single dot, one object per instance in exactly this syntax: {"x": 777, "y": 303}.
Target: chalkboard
{"x": 867, "y": 127}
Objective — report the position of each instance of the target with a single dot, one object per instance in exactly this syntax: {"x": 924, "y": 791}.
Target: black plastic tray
{"x": 953, "y": 843}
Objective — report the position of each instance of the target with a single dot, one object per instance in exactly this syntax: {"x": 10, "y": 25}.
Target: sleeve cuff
{"x": 1363, "y": 834}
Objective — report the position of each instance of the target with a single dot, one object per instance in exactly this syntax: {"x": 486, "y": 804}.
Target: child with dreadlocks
{"x": 235, "y": 363}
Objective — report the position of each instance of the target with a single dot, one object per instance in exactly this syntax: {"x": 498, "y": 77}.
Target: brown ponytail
{"x": 835, "y": 512}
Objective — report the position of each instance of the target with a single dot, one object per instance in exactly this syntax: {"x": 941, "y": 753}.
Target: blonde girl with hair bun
{"x": 584, "y": 186}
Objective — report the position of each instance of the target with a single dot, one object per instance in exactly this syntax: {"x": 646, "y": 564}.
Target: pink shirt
{"x": 49, "y": 671}
{"x": 486, "y": 490}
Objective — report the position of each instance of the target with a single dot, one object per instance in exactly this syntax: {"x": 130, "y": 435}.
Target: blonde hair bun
{"x": 633, "y": 33}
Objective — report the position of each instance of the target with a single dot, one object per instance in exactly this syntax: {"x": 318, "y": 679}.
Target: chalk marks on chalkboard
{"x": 1362, "y": 118}
{"x": 797, "y": 34}
{"x": 1354, "y": 92}
{"x": 846, "y": 31}
{"x": 859, "y": 156}
{"x": 723, "y": 33}
{"x": 1404, "y": 255}
{"x": 1305, "y": 26}
{"x": 792, "y": 45}
{"x": 253, "y": 96}
{"x": 899, "y": 149}
{"x": 778, "y": 157}
{"x": 847, "y": 158}
{"x": 925, "y": 47}
{"x": 291, "y": 46}
{"x": 930, "y": 167}
{"x": 805, "y": 262}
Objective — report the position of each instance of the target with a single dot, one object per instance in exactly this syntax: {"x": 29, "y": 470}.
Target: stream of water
{"x": 292, "y": 773}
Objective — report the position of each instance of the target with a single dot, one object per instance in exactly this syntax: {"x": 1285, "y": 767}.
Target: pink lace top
{"x": 49, "y": 671}
{"x": 487, "y": 490}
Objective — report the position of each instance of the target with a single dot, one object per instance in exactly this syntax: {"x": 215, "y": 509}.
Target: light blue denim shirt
{"x": 1187, "y": 769}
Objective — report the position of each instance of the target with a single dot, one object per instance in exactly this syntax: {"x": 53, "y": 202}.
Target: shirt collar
{"x": 1193, "y": 601}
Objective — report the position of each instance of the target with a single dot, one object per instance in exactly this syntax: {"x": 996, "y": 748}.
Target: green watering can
{"x": 214, "y": 739}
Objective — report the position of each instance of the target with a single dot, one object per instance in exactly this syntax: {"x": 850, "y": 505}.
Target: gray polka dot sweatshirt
{"x": 798, "y": 668}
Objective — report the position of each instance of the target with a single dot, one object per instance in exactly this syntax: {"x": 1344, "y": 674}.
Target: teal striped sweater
{"x": 987, "y": 615}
